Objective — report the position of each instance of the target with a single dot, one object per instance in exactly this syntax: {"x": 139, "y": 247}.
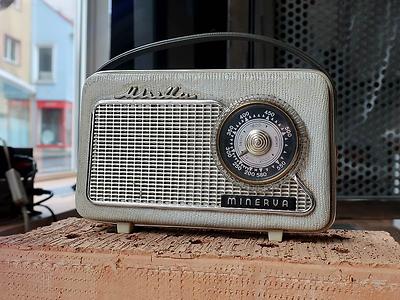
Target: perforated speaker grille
{"x": 358, "y": 42}
{"x": 152, "y": 153}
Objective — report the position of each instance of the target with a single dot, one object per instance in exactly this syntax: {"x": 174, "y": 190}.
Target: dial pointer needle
{"x": 245, "y": 151}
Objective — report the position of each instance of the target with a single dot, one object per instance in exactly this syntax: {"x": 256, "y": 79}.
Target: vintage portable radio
{"x": 225, "y": 149}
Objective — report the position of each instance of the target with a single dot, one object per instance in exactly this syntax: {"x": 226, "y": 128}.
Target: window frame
{"x": 37, "y": 64}
{"x": 8, "y": 38}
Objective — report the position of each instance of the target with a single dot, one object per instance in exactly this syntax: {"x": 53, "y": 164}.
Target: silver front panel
{"x": 158, "y": 153}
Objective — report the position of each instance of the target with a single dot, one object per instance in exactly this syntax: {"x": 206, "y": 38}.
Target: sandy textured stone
{"x": 82, "y": 259}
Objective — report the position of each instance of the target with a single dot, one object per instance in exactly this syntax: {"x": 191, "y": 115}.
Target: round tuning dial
{"x": 258, "y": 141}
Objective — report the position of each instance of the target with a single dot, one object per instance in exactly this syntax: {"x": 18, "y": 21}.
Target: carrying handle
{"x": 203, "y": 38}
{"x": 210, "y": 37}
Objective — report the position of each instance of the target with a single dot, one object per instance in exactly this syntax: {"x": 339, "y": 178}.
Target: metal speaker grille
{"x": 358, "y": 42}
{"x": 152, "y": 153}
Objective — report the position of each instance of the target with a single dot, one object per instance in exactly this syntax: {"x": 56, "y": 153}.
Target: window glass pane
{"x": 45, "y": 59}
{"x": 37, "y": 80}
{"x": 12, "y": 50}
{"x": 51, "y": 126}
{"x": 68, "y": 126}
{"x": 6, "y": 46}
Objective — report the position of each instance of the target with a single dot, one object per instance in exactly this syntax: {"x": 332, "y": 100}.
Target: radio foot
{"x": 125, "y": 227}
{"x": 275, "y": 236}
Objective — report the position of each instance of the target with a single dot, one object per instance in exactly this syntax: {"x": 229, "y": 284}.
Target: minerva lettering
{"x": 259, "y": 202}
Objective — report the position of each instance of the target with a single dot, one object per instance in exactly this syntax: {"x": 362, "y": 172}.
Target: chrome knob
{"x": 258, "y": 142}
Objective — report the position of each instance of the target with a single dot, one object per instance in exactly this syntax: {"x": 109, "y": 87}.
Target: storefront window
{"x": 51, "y": 127}
{"x": 16, "y": 99}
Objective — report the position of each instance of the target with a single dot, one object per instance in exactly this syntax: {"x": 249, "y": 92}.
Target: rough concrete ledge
{"x": 82, "y": 259}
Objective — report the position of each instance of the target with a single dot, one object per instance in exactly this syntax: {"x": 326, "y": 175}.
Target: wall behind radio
{"x": 357, "y": 41}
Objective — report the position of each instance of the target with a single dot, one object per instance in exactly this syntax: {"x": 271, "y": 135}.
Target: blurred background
{"x": 49, "y": 47}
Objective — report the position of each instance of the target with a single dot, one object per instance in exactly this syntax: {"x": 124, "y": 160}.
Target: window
{"x": 11, "y": 50}
{"x": 39, "y": 80}
{"x": 54, "y": 135}
{"x": 40, "y": 44}
{"x": 45, "y": 64}
{"x": 50, "y": 133}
